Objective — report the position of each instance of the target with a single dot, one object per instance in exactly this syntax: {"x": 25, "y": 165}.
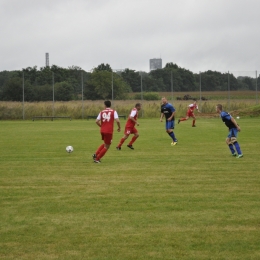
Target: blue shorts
{"x": 169, "y": 125}
{"x": 232, "y": 132}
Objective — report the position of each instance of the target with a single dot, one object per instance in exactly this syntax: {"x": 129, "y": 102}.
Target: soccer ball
{"x": 69, "y": 149}
{"x": 238, "y": 117}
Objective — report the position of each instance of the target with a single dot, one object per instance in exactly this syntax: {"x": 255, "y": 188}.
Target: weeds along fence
{"x": 79, "y": 110}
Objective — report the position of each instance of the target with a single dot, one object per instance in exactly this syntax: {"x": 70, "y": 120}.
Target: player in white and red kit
{"x": 105, "y": 121}
{"x": 130, "y": 127}
{"x": 190, "y": 113}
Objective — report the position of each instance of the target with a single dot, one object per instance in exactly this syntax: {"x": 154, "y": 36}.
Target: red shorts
{"x": 190, "y": 113}
{"x": 129, "y": 131}
{"x": 107, "y": 138}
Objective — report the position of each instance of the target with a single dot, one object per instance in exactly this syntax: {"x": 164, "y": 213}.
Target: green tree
{"x": 13, "y": 90}
{"x": 132, "y": 78}
{"x": 63, "y": 91}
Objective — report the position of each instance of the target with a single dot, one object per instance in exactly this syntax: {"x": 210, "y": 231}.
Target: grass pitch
{"x": 190, "y": 201}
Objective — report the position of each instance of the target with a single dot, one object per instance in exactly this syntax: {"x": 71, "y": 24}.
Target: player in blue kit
{"x": 168, "y": 111}
{"x": 234, "y": 128}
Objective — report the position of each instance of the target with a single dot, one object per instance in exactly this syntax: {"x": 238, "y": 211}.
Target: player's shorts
{"x": 232, "y": 132}
{"x": 190, "y": 113}
{"x": 129, "y": 131}
{"x": 169, "y": 125}
{"x": 107, "y": 138}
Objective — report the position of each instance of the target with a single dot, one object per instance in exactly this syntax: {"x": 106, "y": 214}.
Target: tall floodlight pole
{"x": 82, "y": 94}
{"x": 52, "y": 94}
{"x": 23, "y": 95}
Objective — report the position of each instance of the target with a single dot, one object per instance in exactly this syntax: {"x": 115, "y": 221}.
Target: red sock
{"x": 102, "y": 153}
{"x": 183, "y": 119}
{"x": 99, "y": 149}
{"x": 193, "y": 122}
{"x": 121, "y": 142}
{"x": 133, "y": 140}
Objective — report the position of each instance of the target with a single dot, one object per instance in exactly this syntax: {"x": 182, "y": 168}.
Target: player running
{"x": 105, "y": 121}
{"x": 168, "y": 111}
{"x": 234, "y": 128}
{"x": 190, "y": 113}
{"x": 130, "y": 128}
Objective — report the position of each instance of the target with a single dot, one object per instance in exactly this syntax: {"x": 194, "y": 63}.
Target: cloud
{"x": 197, "y": 35}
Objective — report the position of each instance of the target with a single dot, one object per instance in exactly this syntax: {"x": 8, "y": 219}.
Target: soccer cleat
{"x": 174, "y": 143}
{"x": 94, "y": 156}
{"x": 193, "y": 126}
{"x": 240, "y": 156}
{"x": 118, "y": 148}
{"x": 97, "y": 161}
{"x": 234, "y": 154}
{"x": 179, "y": 121}
{"x": 130, "y": 146}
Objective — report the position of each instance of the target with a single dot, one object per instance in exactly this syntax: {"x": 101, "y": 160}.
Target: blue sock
{"x": 236, "y": 144}
{"x": 231, "y": 148}
{"x": 171, "y": 134}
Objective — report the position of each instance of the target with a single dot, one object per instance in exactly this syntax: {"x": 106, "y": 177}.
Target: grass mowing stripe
{"x": 191, "y": 201}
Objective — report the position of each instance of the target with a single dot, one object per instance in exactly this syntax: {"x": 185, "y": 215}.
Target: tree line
{"x": 102, "y": 82}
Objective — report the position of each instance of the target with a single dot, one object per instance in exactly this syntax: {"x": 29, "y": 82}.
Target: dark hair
{"x": 107, "y": 103}
{"x": 137, "y": 104}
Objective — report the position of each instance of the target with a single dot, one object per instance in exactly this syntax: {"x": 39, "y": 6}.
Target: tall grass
{"x": 79, "y": 109}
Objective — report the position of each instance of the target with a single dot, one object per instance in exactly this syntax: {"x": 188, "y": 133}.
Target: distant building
{"x": 155, "y": 64}
{"x": 47, "y": 60}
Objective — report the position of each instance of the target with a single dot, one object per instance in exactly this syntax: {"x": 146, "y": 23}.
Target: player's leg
{"x": 107, "y": 142}
{"x": 122, "y": 140}
{"x": 169, "y": 130}
{"x": 136, "y": 135}
{"x": 230, "y": 146}
{"x": 235, "y": 142}
{"x": 95, "y": 155}
{"x": 183, "y": 119}
{"x": 193, "y": 121}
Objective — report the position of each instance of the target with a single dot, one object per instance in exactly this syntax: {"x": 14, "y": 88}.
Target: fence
{"x": 226, "y": 85}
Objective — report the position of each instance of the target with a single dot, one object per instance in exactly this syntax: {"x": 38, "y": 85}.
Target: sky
{"x": 198, "y": 35}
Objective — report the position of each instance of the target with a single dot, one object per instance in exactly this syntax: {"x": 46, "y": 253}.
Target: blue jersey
{"x": 226, "y": 118}
{"x": 167, "y": 109}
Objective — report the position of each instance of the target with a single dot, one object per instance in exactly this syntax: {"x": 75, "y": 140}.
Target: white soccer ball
{"x": 69, "y": 149}
{"x": 238, "y": 117}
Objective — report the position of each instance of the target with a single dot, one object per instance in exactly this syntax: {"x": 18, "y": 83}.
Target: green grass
{"x": 191, "y": 201}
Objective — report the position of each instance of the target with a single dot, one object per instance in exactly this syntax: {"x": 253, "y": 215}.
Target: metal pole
{"x": 228, "y": 93}
{"x": 112, "y": 87}
{"x": 172, "y": 87}
{"x": 142, "y": 91}
{"x": 200, "y": 86}
{"x": 23, "y": 95}
{"x": 256, "y": 97}
{"x": 82, "y": 94}
{"x": 52, "y": 93}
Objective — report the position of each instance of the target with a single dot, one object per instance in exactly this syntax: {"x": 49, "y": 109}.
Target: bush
{"x": 147, "y": 96}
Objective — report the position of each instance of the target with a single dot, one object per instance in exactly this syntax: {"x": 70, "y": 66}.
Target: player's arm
{"x": 118, "y": 125}
{"x": 235, "y": 123}
{"x": 162, "y": 116}
{"x": 98, "y": 120}
{"x": 172, "y": 115}
{"x": 117, "y": 121}
{"x": 132, "y": 115}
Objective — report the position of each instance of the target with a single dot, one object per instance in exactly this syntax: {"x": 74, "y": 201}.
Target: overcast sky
{"x": 197, "y": 35}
